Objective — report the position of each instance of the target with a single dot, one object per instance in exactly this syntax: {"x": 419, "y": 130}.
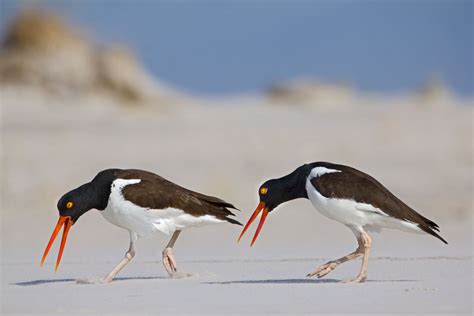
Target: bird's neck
{"x": 99, "y": 189}
{"x": 295, "y": 183}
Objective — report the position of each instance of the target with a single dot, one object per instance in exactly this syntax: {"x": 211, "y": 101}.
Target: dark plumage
{"x": 156, "y": 192}
{"x": 142, "y": 203}
{"x": 356, "y": 185}
{"x": 348, "y": 196}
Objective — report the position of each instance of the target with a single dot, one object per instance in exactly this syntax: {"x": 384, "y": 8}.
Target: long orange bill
{"x": 67, "y": 225}
{"x": 260, "y": 207}
{"x": 67, "y": 222}
{"x": 260, "y": 224}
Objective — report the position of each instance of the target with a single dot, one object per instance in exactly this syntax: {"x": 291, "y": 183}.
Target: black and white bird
{"x": 348, "y": 196}
{"x": 142, "y": 203}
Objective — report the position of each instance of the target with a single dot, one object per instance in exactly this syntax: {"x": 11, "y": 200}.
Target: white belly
{"x": 144, "y": 221}
{"x": 352, "y": 213}
{"x": 341, "y": 210}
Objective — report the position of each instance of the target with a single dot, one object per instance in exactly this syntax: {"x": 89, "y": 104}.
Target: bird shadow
{"x": 50, "y": 281}
{"x": 298, "y": 281}
{"x": 263, "y": 281}
{"x": 277, "y": 281}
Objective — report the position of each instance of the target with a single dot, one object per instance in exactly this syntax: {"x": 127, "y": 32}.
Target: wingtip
{"x": 440, "y": 238}
{"x": 233, "y": 221}
{"x": 233, "y": 207}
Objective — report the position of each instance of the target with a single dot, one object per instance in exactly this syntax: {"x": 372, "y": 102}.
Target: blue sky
{"x": 213, "y": 47}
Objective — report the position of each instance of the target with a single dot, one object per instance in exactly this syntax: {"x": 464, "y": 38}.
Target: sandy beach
{"x": 71, "y": 106}
{"x": 227, "y": 148}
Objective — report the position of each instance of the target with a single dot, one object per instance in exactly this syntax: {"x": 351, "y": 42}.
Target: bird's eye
{"x": 69, "y": 204}
{"x": 263, "y": 190}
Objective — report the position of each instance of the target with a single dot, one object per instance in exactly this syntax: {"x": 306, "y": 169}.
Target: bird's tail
{"x": 233, "y": 221}
{"x": 431, "y": 228}
{"x": 222, "y": 211}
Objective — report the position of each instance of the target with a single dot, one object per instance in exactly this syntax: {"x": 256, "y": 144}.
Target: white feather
{"x": 319, "y": 171}
{"x": 145, "y": 221}
{"x": 350, "y": 212}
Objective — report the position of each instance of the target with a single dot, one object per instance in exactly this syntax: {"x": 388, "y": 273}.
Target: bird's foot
{"x": 94, "y": 281}
{"x": 358, "y": 279}
{"x": 105, "y": 280}
{"x": 323, "y": 270}
{"x": 169, "y": 262}
{"x": 184, "y": 275}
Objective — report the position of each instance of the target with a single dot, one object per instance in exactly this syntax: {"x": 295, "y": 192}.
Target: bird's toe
{"x": 358, "y": 279}
{"x": 169, "y": 261}
{"x": 323, "y": 270}
{"x": 85, "y": 281}
{"x": 93, "y": 280}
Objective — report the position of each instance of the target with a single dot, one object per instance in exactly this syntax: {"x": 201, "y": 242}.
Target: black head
{"x": 75, "y": 203}
{"x": 92, "y": 195}
{"x": 277, "y": 191}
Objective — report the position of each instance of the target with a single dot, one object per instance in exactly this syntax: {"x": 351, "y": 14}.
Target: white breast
{"x": 341, "y": 210}
{"x": 145, "y": 221}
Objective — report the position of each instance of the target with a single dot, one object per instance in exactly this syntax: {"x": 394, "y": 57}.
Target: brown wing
{"x": 156, "y": 192}
{"x": 355, "y": 185}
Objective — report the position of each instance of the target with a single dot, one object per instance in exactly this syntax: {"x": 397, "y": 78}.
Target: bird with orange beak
{"x": 143, "y": 203}
{"x": 348, "y": 196}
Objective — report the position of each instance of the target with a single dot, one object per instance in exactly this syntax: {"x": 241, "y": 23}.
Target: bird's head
{"x": 72, "y": 205}
{"x": 75, "y": 203}
{"x": 275, "y": 192}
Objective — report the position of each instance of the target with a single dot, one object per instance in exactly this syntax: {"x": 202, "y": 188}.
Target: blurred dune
{"x": 311, "y": 92}
{"x": 435, "y": 93}
{"x": 40, "y": 49}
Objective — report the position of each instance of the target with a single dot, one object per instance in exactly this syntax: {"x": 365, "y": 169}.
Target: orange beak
{"x": 260, "y": 207}
{"x": 67, "y": 222}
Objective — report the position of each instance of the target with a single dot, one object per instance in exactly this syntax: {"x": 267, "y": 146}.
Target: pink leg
{"x": 109, "y": 277}
{"x": 331, "y": 265}
{"x": 367, "y": 243}
{"x": 168, "y": 259}
{"x": 128, "y": 257}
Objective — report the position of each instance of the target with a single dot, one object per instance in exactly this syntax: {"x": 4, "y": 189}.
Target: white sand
{"x": 51, "y": 145}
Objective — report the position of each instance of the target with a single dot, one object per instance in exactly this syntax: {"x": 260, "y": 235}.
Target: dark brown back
{"x": 155, "y": 192}
{"x": 356, "y": 185}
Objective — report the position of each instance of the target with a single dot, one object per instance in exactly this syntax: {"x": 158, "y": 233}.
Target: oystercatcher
{"x": 348, "y": 196}
{"x": 142, "y": 203}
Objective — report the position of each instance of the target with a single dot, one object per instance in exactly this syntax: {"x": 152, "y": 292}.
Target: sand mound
{"x": 434, "y": 93}
{"x": 41, "y": 49}
{"x": 311, "y": 92}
